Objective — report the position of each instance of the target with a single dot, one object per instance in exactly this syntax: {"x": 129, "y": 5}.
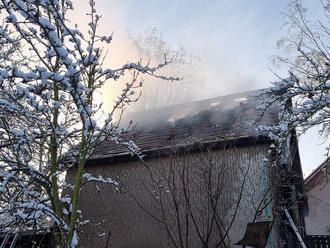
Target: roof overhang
{"x": 230, "y": 142}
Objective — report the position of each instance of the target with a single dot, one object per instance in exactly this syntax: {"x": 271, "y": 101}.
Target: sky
{"x": 235, "y": 40}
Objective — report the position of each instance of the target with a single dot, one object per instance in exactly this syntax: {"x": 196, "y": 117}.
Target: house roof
{"x": 317, "y": 175}
{"x": 217, "y": 119}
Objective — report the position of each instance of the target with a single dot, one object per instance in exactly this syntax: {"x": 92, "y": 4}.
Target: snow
{"x": 46, "y": 24}
{"x": 54, "y": 39}
{"x": 74, "y": 241}
{"x": 327, "y": 84}
{"x": 89, "y": 177}
{"x": 101, "y": 235}
{"x": 62, "y": 52}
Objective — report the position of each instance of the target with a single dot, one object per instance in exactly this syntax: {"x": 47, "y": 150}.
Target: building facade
{"x": 206, "y": 174}
{"x": 318, "y": 194}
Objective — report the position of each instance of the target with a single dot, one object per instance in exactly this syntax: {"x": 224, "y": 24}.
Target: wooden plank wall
{"x": 125, "y": 217}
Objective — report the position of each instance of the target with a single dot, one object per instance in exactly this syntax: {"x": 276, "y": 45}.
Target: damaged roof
{"x": 223, "y": 118}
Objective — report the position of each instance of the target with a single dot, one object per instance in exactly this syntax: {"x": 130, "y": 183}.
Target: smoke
{"x": 225, "y": 64}
{"x": 233, "y": 46}
{"x": 233, "y": 39}
{"x": 147, "y": 46}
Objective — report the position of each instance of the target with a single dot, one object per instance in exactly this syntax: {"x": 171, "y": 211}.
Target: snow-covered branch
{"x": 49, "y": 114}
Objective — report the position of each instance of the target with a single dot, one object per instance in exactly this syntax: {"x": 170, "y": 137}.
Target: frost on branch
{"x": 50, "y": 118}
{"x": 304, "y": 97}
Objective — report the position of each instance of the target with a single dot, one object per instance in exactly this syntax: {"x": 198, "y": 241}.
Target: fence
{"x": 318, "y": 241}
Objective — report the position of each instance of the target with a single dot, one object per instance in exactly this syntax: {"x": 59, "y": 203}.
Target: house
{"x": 317, "y": 186}
{"x": 208, "y": 179}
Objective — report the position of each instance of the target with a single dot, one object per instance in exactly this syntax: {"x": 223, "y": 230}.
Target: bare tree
{"x": 152, "y": 47}
{"x": 199, "y": 197}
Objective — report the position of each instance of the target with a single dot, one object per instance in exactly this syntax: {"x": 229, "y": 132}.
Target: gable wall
{"x": 318, "y": 220}
{"x": 133, "y": 217}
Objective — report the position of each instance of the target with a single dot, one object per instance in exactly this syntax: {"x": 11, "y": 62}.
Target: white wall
{"x": 318, "y": 221}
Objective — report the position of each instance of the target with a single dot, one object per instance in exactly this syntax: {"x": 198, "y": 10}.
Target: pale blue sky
{"x": 235, "y": 40}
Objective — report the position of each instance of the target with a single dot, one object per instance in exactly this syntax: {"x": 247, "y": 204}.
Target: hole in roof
{"x": 213, "y": 104}
{"x": 242, "y": 99}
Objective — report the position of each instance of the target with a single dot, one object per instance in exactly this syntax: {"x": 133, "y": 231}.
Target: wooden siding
{"x": 132, "y": 217}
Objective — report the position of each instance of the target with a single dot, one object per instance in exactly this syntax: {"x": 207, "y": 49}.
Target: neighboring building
{"x": 26, "y": 236}
{"x": 204, "y": 179}
{"x": 27, "y": 239}
{"x": 317, "y": 186}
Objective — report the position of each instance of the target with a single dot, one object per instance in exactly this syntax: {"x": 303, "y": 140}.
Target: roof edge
{"x": 316, "y": 171}
{"x": 183, "y": 148}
